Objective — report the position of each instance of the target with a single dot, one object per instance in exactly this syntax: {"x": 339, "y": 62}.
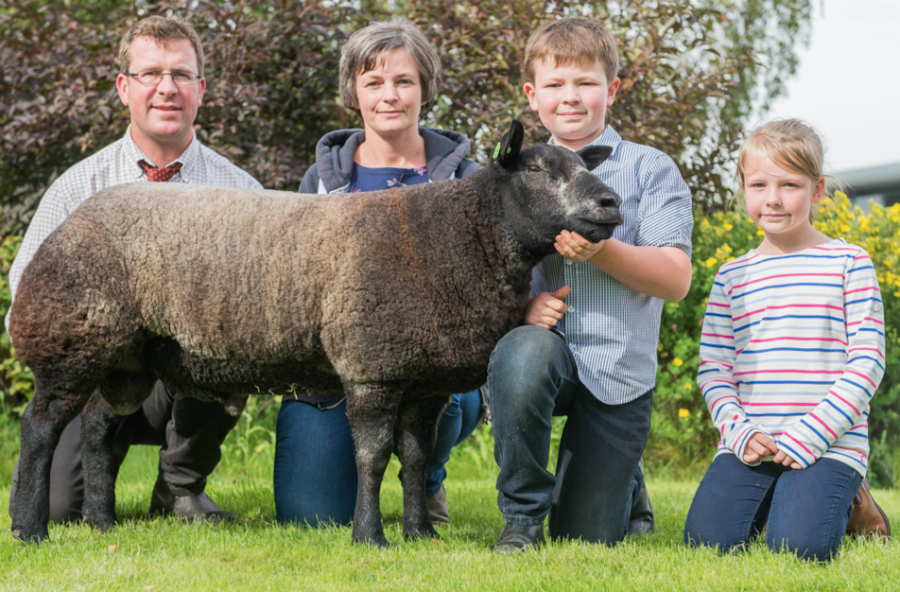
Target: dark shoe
{"x": 188, "y": 507}
{"x": 517, "y": 539}
{"x": 868, "y": 519}
{"x": 641, "y": 520}
{"x": 437, "y": 507}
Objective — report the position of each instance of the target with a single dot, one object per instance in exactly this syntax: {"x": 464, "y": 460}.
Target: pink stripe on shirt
{"x": 773, "y": 277}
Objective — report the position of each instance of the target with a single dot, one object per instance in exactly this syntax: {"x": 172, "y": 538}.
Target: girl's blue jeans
{"x": 805, "y": 511}
{"x": 315, "y": 467}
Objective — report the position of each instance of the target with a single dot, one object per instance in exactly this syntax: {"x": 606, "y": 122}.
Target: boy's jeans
{"x": 532, "y": 376}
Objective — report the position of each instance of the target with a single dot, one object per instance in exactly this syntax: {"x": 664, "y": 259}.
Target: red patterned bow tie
{"x": 158, "y": 175}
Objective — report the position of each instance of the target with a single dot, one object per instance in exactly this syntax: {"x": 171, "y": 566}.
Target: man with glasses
{"x": 161, "y": 82}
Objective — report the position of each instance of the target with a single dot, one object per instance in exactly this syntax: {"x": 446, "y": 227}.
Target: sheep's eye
{"x": 533, "y": 168}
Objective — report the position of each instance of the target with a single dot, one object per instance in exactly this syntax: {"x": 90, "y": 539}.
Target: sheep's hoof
{"x": 104, "y": 525}
{"x": 377, "y": 540}
{"x": 38, "y": 537}
{"x": 422, "y": 532}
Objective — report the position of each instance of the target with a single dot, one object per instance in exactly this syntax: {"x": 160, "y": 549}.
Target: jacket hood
{"x": 445, "y": 151}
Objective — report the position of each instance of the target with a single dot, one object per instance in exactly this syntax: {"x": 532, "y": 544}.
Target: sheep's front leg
{"x": 45, "y": 417}
{"x": 372, "y": 411}
{"x": 98, "y": 429}
{"x": 416, "y": 431}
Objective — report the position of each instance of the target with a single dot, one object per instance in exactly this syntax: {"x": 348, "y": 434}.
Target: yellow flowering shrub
{"x": 720, "y": 237}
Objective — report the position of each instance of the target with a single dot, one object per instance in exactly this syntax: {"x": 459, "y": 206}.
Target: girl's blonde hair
{"x": 792, "y": 145}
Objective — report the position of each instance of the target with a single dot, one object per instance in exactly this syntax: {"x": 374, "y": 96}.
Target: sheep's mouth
{"x": 598, "y": 230}
{"x": 606, "y": 218}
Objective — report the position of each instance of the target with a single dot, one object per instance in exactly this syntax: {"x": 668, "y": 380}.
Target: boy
{"x": 588, "y": 347}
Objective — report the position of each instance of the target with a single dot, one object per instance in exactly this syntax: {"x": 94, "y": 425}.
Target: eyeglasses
{"x": 154, "y": 77}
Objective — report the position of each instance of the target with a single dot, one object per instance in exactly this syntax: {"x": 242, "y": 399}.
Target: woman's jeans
{"x": 804, "y": 511}
{"x": 315, "y": 467}
{"x": 532, "y": 377}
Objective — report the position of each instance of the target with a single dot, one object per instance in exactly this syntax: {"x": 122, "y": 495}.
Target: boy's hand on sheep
{"x": 546, "y": 309}
{"x": 575, "y": 247}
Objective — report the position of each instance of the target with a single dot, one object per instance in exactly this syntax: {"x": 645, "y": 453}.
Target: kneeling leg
{"x": 811, "y": 508}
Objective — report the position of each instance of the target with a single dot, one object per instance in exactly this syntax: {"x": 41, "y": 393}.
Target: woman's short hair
{"x": 367, "y": 48}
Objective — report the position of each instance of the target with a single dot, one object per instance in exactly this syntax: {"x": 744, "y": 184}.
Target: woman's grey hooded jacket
{"x": 445, "y": 153}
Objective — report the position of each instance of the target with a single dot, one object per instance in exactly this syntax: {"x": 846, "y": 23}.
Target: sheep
{"x": 397, "y": 297}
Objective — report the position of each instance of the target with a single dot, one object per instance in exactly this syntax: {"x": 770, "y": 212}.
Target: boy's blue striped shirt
{"x": 611, "y": 329}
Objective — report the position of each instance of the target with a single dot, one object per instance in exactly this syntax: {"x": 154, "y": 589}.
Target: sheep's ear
{"x": 507, "y": 151}
{"x": 594, "y": 155}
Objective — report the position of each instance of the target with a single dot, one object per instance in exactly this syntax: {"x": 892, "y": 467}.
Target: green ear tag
{"x": 496, "y": 152}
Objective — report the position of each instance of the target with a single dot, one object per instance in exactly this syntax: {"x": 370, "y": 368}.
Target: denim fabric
{"x": 806, "y": 510}
{"x": 457, "y": 423}
{"x": 315, "y": 467}
{"x": 532, "y": 376}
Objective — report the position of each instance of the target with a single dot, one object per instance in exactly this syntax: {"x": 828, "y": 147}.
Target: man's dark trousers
{"x": 189, "y": 431}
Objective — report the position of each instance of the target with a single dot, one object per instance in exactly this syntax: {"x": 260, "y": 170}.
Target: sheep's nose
{"x": 610, "y": 201}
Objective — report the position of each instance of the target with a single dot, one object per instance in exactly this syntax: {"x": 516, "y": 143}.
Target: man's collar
{"x": 187, "y": 159}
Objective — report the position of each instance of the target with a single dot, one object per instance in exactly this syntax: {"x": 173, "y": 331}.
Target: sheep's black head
{"x": 546, "y": 189}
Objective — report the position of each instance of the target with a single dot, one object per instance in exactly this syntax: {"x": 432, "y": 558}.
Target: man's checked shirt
{"x": 116, "y": 164}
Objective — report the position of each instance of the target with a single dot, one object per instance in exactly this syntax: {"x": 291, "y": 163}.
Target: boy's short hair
{"x": 366, "y": 49}
{"x": 161, "y": 29}
{"x": 571, "y": 40}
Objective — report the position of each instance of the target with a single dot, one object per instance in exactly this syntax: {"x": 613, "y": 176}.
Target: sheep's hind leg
{"x": 416, "y": 431}
{"x": 98, "y": 429}
{"x": 372, "y": 411}
{"x": 45, "y": 417}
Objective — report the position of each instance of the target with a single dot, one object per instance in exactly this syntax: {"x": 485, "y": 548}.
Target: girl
{"x": 792, "y": 350}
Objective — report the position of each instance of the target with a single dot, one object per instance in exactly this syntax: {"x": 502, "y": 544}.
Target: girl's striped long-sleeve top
{"x": 793, "y": 346}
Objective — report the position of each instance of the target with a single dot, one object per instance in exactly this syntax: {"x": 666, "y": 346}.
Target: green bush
{"x": 16, "y": 380}
{"x": 683, "y": 434}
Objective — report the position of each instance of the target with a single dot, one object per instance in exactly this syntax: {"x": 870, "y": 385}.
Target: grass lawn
{"x": 256, "y": 554}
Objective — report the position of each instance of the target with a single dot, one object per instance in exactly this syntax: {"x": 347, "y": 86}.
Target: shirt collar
{"x": 609, "y": 137}
{"x": 187, "y": 159}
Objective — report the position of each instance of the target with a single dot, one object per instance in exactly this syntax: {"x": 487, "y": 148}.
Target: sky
{"x": 848, "y": 82}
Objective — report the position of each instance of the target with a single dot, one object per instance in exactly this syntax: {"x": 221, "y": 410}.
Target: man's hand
{"x": 575, "y": 247}
{"x": 787, "y": 460}
{"x": 758, "y": 446}
{"x": 546, "y": 309}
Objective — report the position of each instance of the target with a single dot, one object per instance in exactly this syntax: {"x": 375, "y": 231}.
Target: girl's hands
{"x": 758, "y": 446}
{"x": 787, "y": 460}
{"x": 575, "y": 247}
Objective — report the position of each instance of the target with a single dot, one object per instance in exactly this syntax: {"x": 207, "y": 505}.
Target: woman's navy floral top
{"x": 369, "y": 179}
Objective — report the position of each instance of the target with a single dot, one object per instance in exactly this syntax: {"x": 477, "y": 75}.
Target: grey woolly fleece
{"x": 445, "y": 153}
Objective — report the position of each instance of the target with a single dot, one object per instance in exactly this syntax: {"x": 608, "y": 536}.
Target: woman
{"x": 388, "y": 72}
